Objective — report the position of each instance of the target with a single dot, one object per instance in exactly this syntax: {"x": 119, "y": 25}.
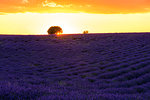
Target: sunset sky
{"x": 74, "y": 16}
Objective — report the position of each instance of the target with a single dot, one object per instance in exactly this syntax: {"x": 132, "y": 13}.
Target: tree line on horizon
{"x": 58, "y": 30}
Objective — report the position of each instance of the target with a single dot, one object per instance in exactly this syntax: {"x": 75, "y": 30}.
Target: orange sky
{"x": 35, "y": 16}
{"x": 71, "y": 6}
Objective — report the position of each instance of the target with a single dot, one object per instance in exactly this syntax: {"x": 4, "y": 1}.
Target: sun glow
{"x": 38, "y": 24}
{"x": 64, "y": 22}
{"x": 59, "y": 33}
{"x": 67, "y": 29}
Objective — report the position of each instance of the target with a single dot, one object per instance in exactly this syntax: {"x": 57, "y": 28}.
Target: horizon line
{"x": 80, "y": 33}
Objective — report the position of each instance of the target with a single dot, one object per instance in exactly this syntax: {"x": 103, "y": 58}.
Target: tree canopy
{"x": 55, "y": 30}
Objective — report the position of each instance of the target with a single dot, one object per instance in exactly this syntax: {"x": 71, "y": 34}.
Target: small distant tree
{"x": 85, "y": 32}
{"x": 55, "y": 30}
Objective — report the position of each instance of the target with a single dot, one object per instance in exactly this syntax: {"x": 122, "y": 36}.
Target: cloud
{"x": 71, "y": 6}
{"x": 51, "y": 4}
{"x": 25, "y": 1}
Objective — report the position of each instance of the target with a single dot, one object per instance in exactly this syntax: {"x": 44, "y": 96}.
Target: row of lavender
{"x": 72, "y": 67}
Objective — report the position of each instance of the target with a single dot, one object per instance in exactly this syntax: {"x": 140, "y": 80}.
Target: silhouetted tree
{"x": 55, "y": 30}
{"x": 85, "y": 32}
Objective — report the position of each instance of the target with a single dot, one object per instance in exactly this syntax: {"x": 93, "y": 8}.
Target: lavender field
{"x": 75, "y": 67}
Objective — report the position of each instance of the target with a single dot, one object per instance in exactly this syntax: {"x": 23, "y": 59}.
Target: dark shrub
{"x": 55, "y": 30}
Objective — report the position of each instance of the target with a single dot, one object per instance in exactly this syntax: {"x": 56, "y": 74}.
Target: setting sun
{"x": 34, "y": 23}
{"x": 64, "y": 21}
